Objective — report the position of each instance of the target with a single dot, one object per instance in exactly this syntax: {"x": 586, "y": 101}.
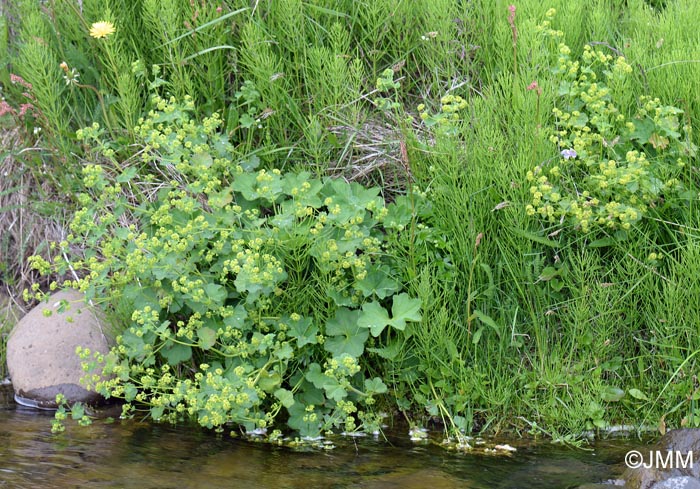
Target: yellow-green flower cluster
{"x": 343, "y": 367}
{"x": 92, "y": 175}
{"x": 594, "y": 119}
{"x": 255, "y": 270}
{"x": 348, "y": 265}
{"x": 452, "y": 104}
{"x": 545, "y": 28}
{"x": 603, "y": 177}
{"x": 195, "y": 148}
{"x": 448, "y": 116}
{"x": 90, "y": 133}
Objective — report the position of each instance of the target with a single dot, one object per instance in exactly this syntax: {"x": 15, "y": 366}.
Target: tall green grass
{"x": 564, "y": 347}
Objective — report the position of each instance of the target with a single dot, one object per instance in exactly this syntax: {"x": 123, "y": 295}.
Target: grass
{"x": 526, "y": 325}
{"x": 10, "y": 313}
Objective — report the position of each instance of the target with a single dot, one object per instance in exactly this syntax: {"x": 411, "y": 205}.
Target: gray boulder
{"x": 679, "y": 473}
{"x": 41, "y": 351}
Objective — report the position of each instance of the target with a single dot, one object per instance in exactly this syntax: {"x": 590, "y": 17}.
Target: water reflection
{"x": 130, "y": 454}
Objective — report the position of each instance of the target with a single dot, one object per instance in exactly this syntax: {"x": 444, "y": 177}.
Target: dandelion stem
{"x": 102, "y": 104}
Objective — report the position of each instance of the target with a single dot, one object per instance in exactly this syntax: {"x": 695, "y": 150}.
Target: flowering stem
{"x": 102, "y": 104}
{"x": 537, "y": 127}
{"x": 538, "y": 91}
{"x": 514, "y": 31}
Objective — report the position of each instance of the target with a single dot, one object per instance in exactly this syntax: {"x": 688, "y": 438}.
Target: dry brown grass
{"x": 25, "y": 229}
{"x": 375, "y": 154}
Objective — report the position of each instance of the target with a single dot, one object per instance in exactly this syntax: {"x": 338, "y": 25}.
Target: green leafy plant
{"x": 612, "y": 170}
{"x": 448, "y": 117}
{"x": 76, "y": 410}
{"x": 251, "y": 296}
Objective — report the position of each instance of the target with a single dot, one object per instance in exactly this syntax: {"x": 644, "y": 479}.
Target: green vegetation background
{"x": 526, "y": 324}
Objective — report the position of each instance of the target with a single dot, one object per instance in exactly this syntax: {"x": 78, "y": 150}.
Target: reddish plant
{"x": 514, "y": 31}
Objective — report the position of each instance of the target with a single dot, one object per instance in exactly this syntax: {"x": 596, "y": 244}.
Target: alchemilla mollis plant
{"x": 252, "y": 297}
{"x": 612, "y": 169}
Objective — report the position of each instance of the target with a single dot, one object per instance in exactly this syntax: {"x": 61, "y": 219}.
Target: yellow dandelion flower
{"x": 101, "y": 29}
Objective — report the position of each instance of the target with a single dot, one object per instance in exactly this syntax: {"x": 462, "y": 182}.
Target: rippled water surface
{"x": 129, "y": 454}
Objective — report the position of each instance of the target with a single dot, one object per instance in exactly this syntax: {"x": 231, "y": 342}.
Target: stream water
{"x": 131, "y": 454}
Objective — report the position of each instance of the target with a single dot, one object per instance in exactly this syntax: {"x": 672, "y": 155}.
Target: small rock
{"x": 505, "y": 448}
{"x": 41, "y": 351}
